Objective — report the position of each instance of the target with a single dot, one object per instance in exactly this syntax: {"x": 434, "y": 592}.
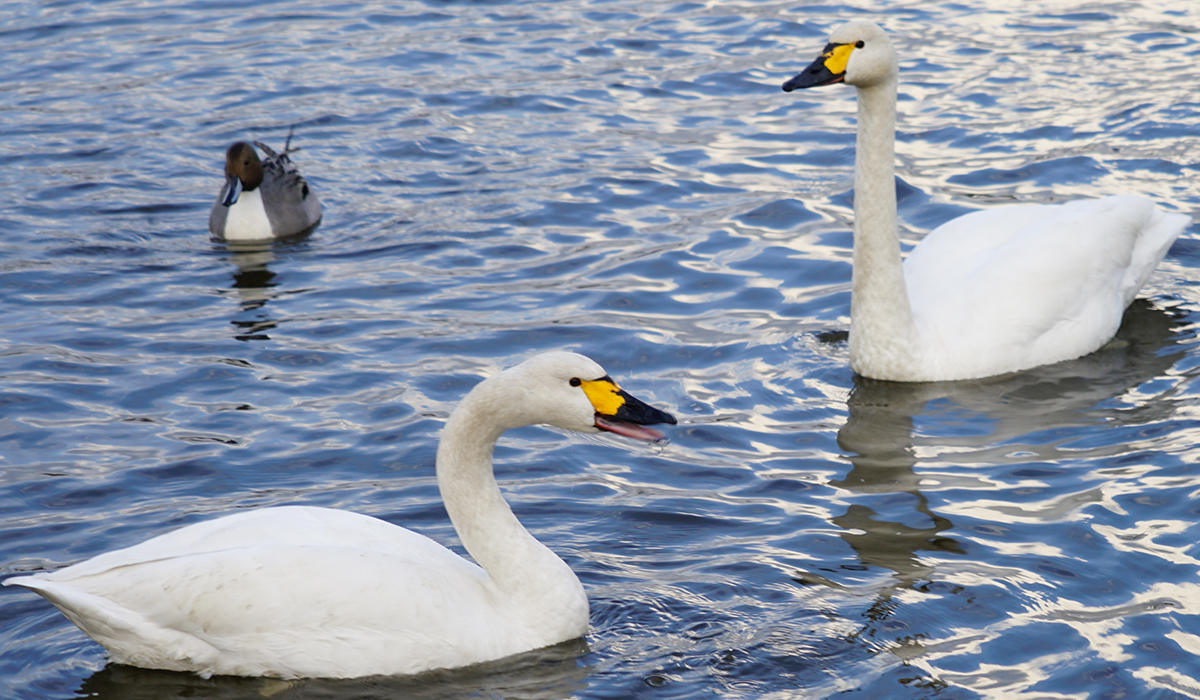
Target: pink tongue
{"x": 637, "y": 432}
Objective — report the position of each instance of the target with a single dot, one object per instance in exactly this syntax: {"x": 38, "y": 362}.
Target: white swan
{"x": 991, "y": 292}
{"x": 314, "y": 592}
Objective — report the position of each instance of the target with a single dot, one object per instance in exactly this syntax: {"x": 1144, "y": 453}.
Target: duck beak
{"x": 619, "y": 412}
{"x": 233, "y": 191}
{"x": 829, "y": 68}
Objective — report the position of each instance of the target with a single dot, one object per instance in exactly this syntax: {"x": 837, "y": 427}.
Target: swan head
{"x": 571, "y": 391}
{"x": 858, "y": 54}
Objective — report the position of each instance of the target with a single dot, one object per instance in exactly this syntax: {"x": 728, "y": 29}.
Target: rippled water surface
{"x": 625, "y": 179}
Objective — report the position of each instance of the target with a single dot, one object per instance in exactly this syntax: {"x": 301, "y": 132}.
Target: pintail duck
{"x": 263, "y": 199}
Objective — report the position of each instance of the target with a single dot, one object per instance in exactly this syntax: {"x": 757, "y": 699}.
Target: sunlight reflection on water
{"x": 504, "y": 178}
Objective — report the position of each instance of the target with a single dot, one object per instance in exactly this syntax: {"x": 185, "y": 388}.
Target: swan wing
{"x": 283, "y": 592}
{"x": 1014, "y": 287}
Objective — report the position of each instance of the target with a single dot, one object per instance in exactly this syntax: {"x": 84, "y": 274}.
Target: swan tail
{"x": 1158, "y": 231}
{"x": 128, "y": 636}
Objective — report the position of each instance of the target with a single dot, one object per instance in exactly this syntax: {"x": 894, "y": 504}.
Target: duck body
{"x": 262, "y": 199}
{"x": 991, "y": 292}
{"x": 300, "y": 591}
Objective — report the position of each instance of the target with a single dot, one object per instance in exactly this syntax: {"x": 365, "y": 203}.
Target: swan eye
{"x": 575, "y": 381}
{"x": 858, "y": 44}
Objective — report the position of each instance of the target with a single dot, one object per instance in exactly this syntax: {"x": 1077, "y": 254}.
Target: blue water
{"x": 626, "y": 180}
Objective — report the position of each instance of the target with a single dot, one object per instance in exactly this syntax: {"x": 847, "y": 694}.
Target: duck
{"x": 305, "y": 592}
{"x": 991, "y": 292}
{"x": 263, "y": 200}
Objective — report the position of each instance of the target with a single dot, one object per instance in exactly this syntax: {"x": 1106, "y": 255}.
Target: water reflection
{"x": 891, "y": 522}
{"x": 252, "y": 281}
{"x": 1015, "y": 405}
{"x": 543, "y": 674}
{"x": 253, "y": 285}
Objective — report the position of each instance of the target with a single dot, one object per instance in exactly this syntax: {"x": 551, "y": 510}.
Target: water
{"x": 626, "y": 180}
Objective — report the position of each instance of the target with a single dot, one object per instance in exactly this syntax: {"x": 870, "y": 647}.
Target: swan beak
{"x": 619, "y": 412}
{"x": 829, "y": 68}
{"x": 234, "y": 190}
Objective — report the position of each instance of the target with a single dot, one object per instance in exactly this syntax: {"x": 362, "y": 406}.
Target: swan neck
{"x": 875, "y": 153}
{"x": 513, "y": 559}
{"x": 881, "y": 319}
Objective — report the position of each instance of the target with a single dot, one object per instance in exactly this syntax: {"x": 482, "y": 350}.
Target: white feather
{"x": 314, "y": 592}
{"x": 994, "y": 291}
{"x": 247, "y": 219}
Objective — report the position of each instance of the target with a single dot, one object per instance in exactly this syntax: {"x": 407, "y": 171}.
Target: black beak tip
{"x": 637, "y": 411}
{"x": 654, "y": 416}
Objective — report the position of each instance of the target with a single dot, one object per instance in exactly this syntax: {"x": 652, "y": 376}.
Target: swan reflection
{"x": 555, "y": 672}
{"x": 894, "y": 427}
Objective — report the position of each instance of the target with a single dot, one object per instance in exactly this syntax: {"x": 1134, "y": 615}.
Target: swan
{"x": 298, "y": 591}
{"x": 991, "y": 292}
{"x": 262, "y": 199}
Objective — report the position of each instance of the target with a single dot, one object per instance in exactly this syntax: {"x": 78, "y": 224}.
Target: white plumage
{"x": 994, "y": 291}
{"x": 314, "y": 592}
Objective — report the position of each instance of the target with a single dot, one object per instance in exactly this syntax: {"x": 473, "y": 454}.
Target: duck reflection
{"x": 885, "y": 434}
{"x": 557, "y": 671}
{"x": 254, "y": 285}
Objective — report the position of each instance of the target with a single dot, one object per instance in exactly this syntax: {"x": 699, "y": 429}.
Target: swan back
{"x": 1010, "y": 288}
{"x": 286, "y": 592}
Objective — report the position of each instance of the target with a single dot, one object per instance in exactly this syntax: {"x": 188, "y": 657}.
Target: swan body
{"x": 991, "y": 292}
{"x": 262, "y": 199}
{"x": 300, "y": 591}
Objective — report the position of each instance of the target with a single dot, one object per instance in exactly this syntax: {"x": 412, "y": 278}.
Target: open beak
{"x": 619, "y": 412}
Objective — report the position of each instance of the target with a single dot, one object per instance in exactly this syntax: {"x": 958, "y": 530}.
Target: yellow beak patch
{"x": 604, "y": 394}
{"x": 836, "y": 59}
